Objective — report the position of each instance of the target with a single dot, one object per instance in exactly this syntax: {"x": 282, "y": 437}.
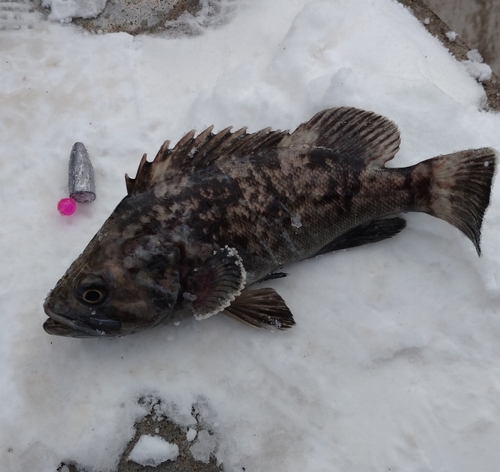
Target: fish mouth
{"x": 60, "y": 325}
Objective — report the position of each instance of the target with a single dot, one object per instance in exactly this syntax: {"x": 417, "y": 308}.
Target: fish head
{"x": 116, "y": 287}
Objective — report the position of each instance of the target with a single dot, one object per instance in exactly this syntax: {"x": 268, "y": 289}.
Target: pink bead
{"x": 66, "y": 206}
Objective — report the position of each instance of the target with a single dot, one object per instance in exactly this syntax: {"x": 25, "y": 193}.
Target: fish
{"x": 207, "y": 220}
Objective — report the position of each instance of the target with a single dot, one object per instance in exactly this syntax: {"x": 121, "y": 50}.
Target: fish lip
{"x": 56, "y": 328}
{"x": 69, "y": 323}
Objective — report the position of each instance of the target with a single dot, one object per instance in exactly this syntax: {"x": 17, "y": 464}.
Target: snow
{"x": 393, "y": 363}
{"x": 153, "y": 450}
{"x": 191, "y": 434}
{"x": 451, "y": 35}
{"x": 475, "y": 66}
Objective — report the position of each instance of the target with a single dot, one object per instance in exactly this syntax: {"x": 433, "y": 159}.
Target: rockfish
{"x": 219, "y": 212}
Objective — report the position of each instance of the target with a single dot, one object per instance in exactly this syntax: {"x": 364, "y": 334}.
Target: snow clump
{"x": 153, "y": 450}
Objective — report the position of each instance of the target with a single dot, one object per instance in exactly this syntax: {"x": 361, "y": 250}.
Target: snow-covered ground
{"x": 394, "y": 362}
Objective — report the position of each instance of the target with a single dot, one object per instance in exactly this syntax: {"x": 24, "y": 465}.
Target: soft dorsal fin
{"x": 356, "y": 134}
{"x": 192, "y": 153}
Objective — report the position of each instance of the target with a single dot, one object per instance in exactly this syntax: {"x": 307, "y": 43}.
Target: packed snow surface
{"x": 393, "y": 364}
{"x": 153, "y": 450}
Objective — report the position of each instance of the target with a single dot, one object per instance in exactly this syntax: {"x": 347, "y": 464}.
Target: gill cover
{"x": 154, "y": 265}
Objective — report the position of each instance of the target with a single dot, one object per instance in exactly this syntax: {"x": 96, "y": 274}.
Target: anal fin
{"x": 262, "y": 308}
{"x": 372, "y": 232}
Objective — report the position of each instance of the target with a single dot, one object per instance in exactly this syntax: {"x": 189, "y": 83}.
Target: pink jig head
{"x": 66, "y": 206}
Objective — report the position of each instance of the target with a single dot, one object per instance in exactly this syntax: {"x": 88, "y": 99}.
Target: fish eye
{"x": 91, "y": 290}
{"x": 93, "y": 296}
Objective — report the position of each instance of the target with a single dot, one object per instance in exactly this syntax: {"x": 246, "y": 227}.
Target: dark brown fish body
{"x": 221, "y": 212}
{"x": 237, "y": 205}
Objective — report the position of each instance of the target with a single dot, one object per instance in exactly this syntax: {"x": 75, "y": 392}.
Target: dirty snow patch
{"x": 66, "y": 9}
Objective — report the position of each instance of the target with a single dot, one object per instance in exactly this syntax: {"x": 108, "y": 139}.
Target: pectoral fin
{"x": 263, "y": 308}
{"x": 216, "y": 284}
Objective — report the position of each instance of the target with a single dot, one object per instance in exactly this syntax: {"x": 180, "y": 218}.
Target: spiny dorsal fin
{"x": 192, "y": 153}
{"x": 356, "y": 134}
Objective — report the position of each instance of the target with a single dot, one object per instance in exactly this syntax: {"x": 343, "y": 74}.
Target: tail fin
{"x": 461, "y": 189}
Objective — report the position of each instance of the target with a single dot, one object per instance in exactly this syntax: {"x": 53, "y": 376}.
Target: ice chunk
{"x": 203, "y": 447}
{"x": 153, "y": 450}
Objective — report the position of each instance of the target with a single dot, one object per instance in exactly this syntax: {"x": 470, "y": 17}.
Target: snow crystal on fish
{"x": 296, "y": 222}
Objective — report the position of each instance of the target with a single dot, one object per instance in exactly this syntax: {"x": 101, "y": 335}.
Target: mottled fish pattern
{"x": 219, "y": 212}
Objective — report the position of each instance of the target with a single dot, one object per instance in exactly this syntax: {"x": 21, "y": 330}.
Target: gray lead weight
{"x": 81, "y": 183}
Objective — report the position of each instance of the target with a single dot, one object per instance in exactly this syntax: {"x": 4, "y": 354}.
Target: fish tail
{"x": 460, "y": 188}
